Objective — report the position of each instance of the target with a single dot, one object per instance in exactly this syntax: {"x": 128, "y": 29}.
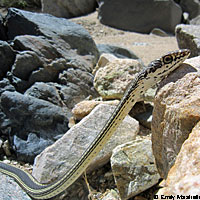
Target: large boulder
{"x": 21, "y": 22}
{"x": 176, "y": 112}
{"x": 65, "y": 152}
{"x": 140, "y": 16}
{"x": 190, "y": 6}
{"x": 50, "y": 69}
{"x": 35, "y": 123}
{"x": 183, "y": 178}
{"x": 68, "y": 8}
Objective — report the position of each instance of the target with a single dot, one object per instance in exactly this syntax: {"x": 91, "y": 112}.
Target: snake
{"x": 148, "y": 77}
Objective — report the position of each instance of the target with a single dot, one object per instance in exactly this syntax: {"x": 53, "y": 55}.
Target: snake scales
{"x": 156, "y": 71}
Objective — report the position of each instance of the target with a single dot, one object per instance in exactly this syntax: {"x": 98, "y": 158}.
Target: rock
{"x": 150, "y": 94}
{"x": 111, "y": 195}
{"x": 6, "y": 148}
{"x": 111, "y": 80}
{"x": 19, "y": 84}
{"x": 133, "y": 167}
{"x": 195, "y": 21}
{"x": 50, "y": 92}
{"x": 188, "y": 37}
{"x": 1, "y": 143}
{"x": 7, "y": 57}
{"x": 183, "y": 178}
{"x": 103, "y": 60}
{"x": 190, "y": 6}
{"x": 68, "y": 9}
{"x": 5, "y": 85}
{"x": 185, "y": 19}
{"x": 10, "y": 190}
{"x": 83, "y": 108}
{"x": 145, "y": 118}
{"x": 176, "y": 112}
{"x": 77, "y": 85}
{"x": 52, "y": 62}
{"x": 35, "y": 123}
{"x": 4, "y": 120}
{"x": 20, "y": 22}
{"x": 61, "y": 156}
{"x": 117, "y": 51}
{"x": 133, "y": 16}
{"x": 25, "y": 63}
{"x": 2, "y": 29}
{"x": 159, "y": 32}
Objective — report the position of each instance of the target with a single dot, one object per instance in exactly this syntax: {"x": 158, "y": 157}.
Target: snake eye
{"x": 167, "y": 59}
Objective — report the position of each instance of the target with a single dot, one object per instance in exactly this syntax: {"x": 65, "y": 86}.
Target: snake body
{"x": 156, "y": 71}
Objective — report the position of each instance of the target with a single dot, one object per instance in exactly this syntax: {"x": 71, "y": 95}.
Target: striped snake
{"x": 156, "y": 71}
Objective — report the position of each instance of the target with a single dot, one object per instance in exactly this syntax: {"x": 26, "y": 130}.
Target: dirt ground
{"x": 145, "y": 46}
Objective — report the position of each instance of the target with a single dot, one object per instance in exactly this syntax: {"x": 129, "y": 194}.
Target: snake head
{"x": 175, "y": 56}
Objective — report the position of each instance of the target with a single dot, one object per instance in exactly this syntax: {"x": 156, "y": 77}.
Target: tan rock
{"x": 133, "y": 167}
{"x": 176, "y": 112}
{"x": 184, "y": 176}
{"x": 83, "y": 108}
{"x": 63, "y": 154}
{"x": 103, "y": 60}
{"x": 112, "y": 80}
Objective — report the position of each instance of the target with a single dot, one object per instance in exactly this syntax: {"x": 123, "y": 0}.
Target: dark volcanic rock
{"x": 49, "y": 61}
{"x": 7, "y": 57}
{"x": 25, "y": 63}
{"x": 21, "y": 22}
{"x": 35, "y": 123}
{"x": 2, "y": 29}
{"x": 140, "y": 15}
{"x": 191, "y": 6}
{"x": 77, "y": 85}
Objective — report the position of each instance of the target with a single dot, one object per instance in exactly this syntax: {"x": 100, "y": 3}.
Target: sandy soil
{"x": 147, "y": 47}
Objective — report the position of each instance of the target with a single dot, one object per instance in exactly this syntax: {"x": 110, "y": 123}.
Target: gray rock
{"x": 117, "y": 51}
{"x": 35, "y": 123}
{"x": 7, "y": 57}
{"x": 21, "y": 22}
{"x": 133, "y": 167}
{"x": 19, "y": 84}
{"x": 51, "y": 62}
{"x": 47, "y": 91}
{"x": 195, "y": 21}
{"x": 4, "y": 120}
{"x": 77, "y": 85}
{"x": 188, "y": 37}
{"x": 70, "y": 147}
{"x": 25, "y": 63}
{"x": 190, "y": 6}
{"x": 68, "y": 8}
{"x": 140, "y": 17}
{"x": 3, "y": 35}
{"x": 5, "y": 85}
{"x": 10, "y": 190}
